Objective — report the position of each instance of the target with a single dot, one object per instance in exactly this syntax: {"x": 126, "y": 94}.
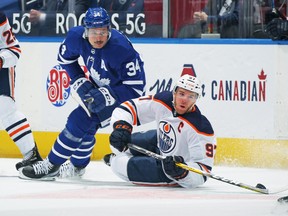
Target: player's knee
{"x": 196, "y": 179}
{"x": 7, "y": 107}
{"x": 79, "y": 124}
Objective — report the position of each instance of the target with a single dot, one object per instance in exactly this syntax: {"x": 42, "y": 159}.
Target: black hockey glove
{"x": 172, "y": 170}
{"x": 121, "y": 135}
{"x": 277, "y": 29}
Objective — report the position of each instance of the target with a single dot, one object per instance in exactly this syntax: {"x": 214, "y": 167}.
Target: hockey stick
{"x": 258, "y": 188}
{"x": 273, "y": 7}
{"x": 277, "y": 12}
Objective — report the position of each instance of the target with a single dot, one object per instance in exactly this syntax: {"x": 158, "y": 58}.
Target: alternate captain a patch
{"x": 167, "y": 137}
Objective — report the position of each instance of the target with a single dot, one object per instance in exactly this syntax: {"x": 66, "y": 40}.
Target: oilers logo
{"x": 167, "y": 137}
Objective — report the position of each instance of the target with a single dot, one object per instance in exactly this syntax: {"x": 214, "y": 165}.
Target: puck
{"x": 283, "y": 199}
{"x": 260, "y": 186}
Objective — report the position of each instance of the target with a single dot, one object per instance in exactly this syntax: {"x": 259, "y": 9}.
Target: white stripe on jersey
{"x": 133, "y": 82}
{"x": 65, "y": 61}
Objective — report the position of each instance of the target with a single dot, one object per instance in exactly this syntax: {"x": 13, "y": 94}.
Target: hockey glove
{"x": 80, "y": 87}
{"x": 277, "y": 29}
{"x": 91, "y": 99}
{"x": 98, "y": 98}
{"x": 172, "y": 169}
{"x": 121, "y": 135}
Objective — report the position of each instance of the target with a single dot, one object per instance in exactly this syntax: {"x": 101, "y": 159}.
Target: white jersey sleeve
{"x": 9, "y": 46}
{"x": 136, "y": 112}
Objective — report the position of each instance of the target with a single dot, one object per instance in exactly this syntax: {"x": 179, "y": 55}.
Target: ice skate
{"x": 107, "y": 159}
{"x": 32, "y": 157}
{"x": 40, "y": 170}
{"x": 68, "y": 170}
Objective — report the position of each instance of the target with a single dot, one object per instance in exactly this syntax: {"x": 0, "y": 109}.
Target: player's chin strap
{"x": 259, "y": 187}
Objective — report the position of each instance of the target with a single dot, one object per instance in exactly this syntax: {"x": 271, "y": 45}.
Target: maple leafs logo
{"x": 96, "y": 77}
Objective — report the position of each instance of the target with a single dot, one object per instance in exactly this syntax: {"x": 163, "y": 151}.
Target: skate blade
{"x": 38, "y": 179}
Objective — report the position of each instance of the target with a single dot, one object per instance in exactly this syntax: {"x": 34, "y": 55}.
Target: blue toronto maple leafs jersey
{"x": 117, "y": 64}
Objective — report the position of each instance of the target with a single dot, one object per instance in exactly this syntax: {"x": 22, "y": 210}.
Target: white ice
{"x": 102, "y": 193}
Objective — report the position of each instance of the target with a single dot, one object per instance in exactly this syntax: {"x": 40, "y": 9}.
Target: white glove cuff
{"x": 110, "y": 100}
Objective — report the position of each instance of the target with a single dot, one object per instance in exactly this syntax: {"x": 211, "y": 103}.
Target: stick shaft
{"x": 272, "y": 4}
{"x": 184, "y": 166}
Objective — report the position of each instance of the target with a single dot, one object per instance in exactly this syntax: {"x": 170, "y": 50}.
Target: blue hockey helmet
{"x": 96, "y": 18}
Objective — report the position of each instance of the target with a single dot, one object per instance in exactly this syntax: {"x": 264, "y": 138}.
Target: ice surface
{"x": 102, "y": 193}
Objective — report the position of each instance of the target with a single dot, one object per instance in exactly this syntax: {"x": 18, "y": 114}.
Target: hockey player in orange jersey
{"x": 14, "y": 122}
{"x": 183, "y": 135}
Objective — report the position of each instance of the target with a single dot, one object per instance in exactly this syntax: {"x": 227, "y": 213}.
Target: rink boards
{"x": 245, "y": 94}
{"x": 230, "y": 151}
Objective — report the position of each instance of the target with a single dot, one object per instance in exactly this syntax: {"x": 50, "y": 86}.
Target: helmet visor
{"x": 94, "y": 32}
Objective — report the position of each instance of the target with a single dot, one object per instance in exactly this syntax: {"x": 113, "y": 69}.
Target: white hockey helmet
{"x": 189, "y": 83}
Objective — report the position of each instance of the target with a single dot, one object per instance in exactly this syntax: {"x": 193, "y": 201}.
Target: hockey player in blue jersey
{"x": 116, "y": 74}
{"x": 183, "y": 135}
